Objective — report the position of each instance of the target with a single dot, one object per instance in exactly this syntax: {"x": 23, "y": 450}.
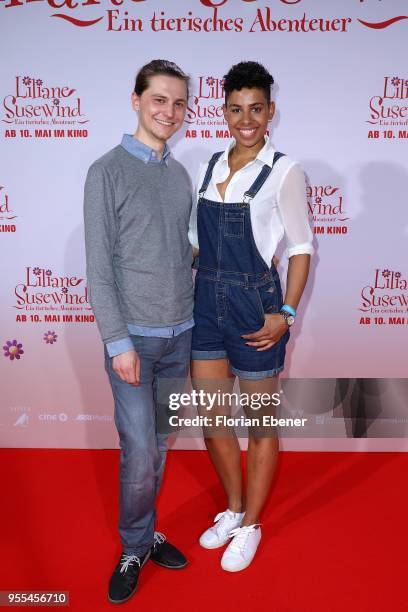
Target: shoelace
{"x": 159, "y": 537}
{"x": 220, "y": 519}
{"x": 240, "y": 536}
{"x": 126, "y": 561}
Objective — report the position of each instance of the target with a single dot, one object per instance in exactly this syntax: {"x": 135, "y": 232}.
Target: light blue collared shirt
{"x": 142, "y": 151}
{"x": 148, "y": 156}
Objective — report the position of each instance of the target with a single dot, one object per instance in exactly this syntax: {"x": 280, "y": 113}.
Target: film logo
{"x": 386, "y": 294}
{"x": 54, "y": 111}
{"x": 61, "y": 298}
{"x": 205, "y": 109}
{"x": 326, "y": 209}
{"x": 6, "y": 213}
{"x": 389, "y": 109}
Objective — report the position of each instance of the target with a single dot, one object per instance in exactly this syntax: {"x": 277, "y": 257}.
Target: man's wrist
{"x": 117, "y": 347}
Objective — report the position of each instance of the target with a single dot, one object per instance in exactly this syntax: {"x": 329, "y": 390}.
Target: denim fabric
{"x": 121, "y": 346}
{"x": 142, "y": 445}
{"x": 234, "y": 286}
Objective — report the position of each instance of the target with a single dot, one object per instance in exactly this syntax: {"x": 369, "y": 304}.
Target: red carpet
{"x": 334, "y": 533}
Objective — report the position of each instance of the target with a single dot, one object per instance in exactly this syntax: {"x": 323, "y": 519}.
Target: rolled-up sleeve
{"x": 292, "y": 203}
{"x": 100, "y": 237}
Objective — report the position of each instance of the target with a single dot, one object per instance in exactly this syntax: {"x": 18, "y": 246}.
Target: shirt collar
{"x": 265, "y": 155}
{"x": 143, "y": 152}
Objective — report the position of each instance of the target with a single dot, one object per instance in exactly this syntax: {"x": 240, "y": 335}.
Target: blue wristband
{"x": 289, "y": 309}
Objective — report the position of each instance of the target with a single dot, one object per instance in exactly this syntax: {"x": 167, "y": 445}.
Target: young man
{"x": 137, "y": 209}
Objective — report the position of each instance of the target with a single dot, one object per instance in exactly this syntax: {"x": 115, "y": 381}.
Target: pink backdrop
{"x": 342, "y": 98}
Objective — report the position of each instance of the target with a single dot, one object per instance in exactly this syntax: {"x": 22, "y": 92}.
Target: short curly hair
{"x": 248, "y": 75}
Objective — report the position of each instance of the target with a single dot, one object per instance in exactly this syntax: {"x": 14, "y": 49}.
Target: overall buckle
{"x": 246, "y": 200}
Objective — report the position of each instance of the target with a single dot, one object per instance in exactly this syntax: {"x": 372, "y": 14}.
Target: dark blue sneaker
{"x": 123, "y": 582}
{"x": 165, "y": 554}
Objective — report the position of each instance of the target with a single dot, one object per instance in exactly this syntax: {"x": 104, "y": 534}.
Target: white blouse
{"x": 279, "y": 208}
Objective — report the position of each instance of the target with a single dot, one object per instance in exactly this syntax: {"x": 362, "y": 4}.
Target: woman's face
{"x": 247, "y": 113}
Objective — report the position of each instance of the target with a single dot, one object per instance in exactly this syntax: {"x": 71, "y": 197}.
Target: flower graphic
{"x": 385, "y": 273}
{"x": 397, "y": 274}
{"x": 39, "y": 82}
{"x": 64, "y": 290}
{"x": 37, "y": 271}
{"x": 210, "y": 81}
{"x": 55, "y": 101}
{"x": 318, "y": 199}
{"x": 395, "y": 81}
{"x": 13, "y": 349}
{"x": 27, "y": 80}
{"x": 48, "y": 272}
{"x": 50, "y": 337}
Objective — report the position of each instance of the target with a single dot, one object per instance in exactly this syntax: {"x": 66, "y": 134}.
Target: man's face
{"x": 247, "y": 114}
{"x": 161, "y": 107}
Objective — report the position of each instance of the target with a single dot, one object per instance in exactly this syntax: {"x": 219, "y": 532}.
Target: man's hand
{"x": 127, "y": 367}
{"x": 274, "y": 328}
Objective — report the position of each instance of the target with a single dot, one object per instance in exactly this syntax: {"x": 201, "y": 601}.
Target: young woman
{"x": 249, "y": 197}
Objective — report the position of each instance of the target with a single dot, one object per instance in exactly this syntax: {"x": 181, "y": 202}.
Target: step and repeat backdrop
{"x": 341, "y": 92}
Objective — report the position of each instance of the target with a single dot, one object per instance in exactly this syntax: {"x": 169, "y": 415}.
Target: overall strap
{"x": 260, "y": 180}
{"x": 208, "y": 174}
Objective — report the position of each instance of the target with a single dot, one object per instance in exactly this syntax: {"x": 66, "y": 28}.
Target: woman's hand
{"x": 274, "y": 328}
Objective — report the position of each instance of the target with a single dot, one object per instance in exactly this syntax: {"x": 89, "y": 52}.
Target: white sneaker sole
{"x": 237, "y": 568}
{"x": 213, "y": 546}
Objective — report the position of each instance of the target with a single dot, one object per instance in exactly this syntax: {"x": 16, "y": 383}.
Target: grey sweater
{"x": 137, "y": 249}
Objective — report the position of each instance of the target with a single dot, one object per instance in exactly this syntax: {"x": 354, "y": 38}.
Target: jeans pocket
{"x": 234, "y": 224}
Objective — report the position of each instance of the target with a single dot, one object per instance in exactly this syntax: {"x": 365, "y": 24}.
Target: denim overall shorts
{"x": 234, "y": 287}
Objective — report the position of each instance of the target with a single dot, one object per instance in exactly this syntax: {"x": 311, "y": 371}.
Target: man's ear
{"x": 135, "y": 101}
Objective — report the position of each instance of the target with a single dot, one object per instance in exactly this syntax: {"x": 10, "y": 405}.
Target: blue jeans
{"x": 142, "y": 446}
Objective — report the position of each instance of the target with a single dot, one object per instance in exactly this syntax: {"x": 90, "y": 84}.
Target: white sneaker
{"x": 219, "y": 534}
{"x": 242, "y": 548}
